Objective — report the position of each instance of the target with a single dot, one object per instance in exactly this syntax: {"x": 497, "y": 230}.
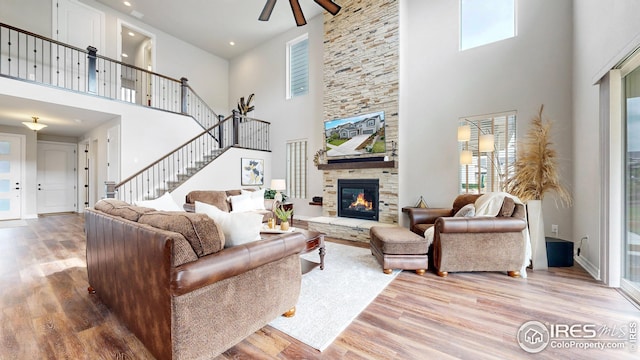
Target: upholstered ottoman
{"x": 399, "y": 248}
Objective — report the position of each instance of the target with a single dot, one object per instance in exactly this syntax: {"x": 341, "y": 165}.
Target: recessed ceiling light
{"x": 126, "y": 3}
{"x": 231, "y": 43}
{"x": 131, "y": 33}
{"x": 124, "y": 55}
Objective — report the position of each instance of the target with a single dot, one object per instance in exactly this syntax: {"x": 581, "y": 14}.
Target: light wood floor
{"x": 47, "y": 313}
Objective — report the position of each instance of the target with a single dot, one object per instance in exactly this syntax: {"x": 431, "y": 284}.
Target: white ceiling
{"x": 212, "y": 24}
{"x": 60, "y": 120}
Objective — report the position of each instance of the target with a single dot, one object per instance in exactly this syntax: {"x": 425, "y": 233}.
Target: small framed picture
{"x": 252, "y": 171}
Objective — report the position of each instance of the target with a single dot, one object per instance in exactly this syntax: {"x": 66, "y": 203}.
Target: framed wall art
{"x": 252, "y": 171}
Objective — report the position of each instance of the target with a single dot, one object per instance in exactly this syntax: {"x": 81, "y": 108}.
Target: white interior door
{"x": 56, "y": 177}
{"x": 11, "y": 176}
{"x": 78, "y": 24}
{"x": 113, "y": 153}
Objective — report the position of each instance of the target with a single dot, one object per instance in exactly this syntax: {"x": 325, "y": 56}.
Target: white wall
{"x": 601, "y": 31}
{"x": 210, "y": 178}
{"x": 262, "y": 71}
{"x": 439, "y": 85}
{"x": 146, "y": 134}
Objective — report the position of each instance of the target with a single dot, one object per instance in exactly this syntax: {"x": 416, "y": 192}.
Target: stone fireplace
{"x": 361, "y": 76}
{"x": 358, "y": 198}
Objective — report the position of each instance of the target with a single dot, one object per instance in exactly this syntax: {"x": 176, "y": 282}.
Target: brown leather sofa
{"x": 169, "y": 279}
{"x": 473, "y": 243}
{"x": 220, "y": 199}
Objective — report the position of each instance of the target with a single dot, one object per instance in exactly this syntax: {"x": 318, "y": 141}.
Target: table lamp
{"x": 278, "y": 185}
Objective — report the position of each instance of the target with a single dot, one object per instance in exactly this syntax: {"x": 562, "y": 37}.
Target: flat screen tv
{"x": 357, "y": 135}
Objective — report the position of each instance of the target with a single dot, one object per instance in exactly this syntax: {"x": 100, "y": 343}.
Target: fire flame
{"x": 361, "y": 203}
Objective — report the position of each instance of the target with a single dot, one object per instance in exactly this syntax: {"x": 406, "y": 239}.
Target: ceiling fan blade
{"x": 266, "y": 12}
{"x": 329, "y": 5}
{"x": 297, "y": 13}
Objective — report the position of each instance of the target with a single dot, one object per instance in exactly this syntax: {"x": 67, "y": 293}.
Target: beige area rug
{"x": 332, "y": 298}
{"x": 12, "y": 223}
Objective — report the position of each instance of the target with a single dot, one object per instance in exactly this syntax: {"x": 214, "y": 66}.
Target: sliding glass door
{"x": 631, "y": 246}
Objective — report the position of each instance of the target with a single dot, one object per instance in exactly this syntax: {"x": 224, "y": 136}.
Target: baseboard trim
{"x": 588, "y": 266}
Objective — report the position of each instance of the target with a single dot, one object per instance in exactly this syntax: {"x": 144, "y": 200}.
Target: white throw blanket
{"x": 489, "y": 204}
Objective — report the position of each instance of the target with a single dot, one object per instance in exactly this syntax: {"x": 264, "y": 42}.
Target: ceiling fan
{"x": 328, "y": 5}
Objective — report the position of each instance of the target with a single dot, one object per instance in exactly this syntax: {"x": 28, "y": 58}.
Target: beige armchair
{"x": 479, "y": 243}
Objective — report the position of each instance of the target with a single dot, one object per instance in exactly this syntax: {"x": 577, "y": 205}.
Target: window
{"x": 297, "y": 169}
{"x": 298, "y": 67}
{"x": 487, "y": 148}
{"x": 128, "y": 95}
{"x": 486, "y": 21}
{"x": 631, "y": 239}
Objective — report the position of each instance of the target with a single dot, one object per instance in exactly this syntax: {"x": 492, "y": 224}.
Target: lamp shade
{"x": 485, "y": 143}
{"x": 466, "y": 157}
{"x": 464, "y": 133}
{"x": 278, "y": 184}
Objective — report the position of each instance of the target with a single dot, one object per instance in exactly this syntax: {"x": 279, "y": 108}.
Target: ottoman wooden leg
{"x": 290, "y": 313}
{"x": 387, "y": 271}
{"x": 421, "y": 271}
{"x": 443, "y": 273}
{"x": 514, "y": 274}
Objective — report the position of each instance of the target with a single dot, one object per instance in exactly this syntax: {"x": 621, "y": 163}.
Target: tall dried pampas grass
{"x": 535, "y": 170}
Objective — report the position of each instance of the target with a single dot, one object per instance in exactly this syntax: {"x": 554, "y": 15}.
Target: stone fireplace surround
{"x": 361, "y": 75}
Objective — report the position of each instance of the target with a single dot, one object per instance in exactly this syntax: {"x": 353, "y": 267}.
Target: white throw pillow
{"x": 241, "y": 203}
{"x": 238, "y": 228}
{"x": 256, "y": 197}
{"x": 468, "y": 210}
{"x": 163, "y": 203}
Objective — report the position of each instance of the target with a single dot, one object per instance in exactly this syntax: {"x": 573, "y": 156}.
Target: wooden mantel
{"x": 358, "y": 165}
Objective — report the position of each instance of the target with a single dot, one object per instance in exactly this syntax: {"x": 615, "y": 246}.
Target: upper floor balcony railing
{"x": 31, "y": 57}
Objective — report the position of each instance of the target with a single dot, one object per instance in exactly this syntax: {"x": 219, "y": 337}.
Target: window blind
{"x": 297, "y": 169}
{"x": 298, "y": 51}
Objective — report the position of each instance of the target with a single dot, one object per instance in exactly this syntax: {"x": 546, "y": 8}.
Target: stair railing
{"x": 34, "y": 58}
{"x": 173, "y": 169}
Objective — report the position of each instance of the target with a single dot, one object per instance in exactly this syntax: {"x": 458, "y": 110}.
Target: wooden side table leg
{"x": 322, "y": 252}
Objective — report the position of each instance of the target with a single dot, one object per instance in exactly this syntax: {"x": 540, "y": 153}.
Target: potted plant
{"x": 284, "y": 216}
{"x": 536, "y": 174}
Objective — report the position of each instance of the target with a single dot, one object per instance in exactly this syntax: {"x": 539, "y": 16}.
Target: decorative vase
{"x": 284, "y": 225}
{"x": 536, "y": 235}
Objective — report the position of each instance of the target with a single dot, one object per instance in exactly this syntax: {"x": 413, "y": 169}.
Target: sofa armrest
{"x": 480, "y": 224}
{"x": 234, "y": 261}
{"x": 425, "y": 215}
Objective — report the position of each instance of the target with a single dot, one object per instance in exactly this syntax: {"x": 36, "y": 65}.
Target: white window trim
{"x": 290, "y": 43}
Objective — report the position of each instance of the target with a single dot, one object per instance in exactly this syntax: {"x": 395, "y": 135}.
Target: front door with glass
{"x": 10, "y": 176}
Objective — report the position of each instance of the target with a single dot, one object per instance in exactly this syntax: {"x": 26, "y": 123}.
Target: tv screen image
{"x": 357, "y": 135}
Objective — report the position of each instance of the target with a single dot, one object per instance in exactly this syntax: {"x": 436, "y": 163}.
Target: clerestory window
{"x": 486, "y": 21}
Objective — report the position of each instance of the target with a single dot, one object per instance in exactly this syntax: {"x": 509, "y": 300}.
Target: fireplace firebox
{"x": 358, "y": 198}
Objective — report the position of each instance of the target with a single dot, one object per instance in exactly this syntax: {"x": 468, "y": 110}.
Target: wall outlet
{"x": 554, "y": 229}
